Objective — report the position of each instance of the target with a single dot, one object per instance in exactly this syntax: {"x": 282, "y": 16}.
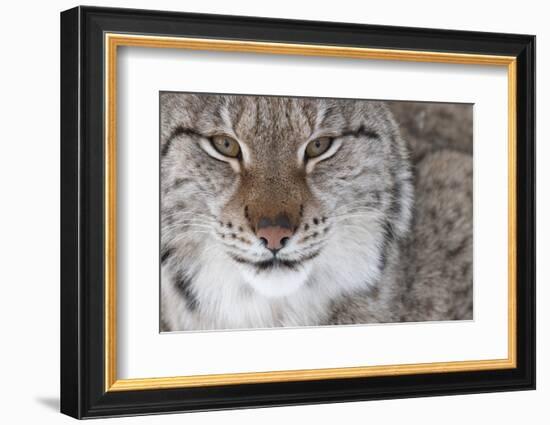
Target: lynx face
{"x": 283, "y": 188}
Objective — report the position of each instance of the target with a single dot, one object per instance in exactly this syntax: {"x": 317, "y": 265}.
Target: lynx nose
{"x": 274, "y": 233}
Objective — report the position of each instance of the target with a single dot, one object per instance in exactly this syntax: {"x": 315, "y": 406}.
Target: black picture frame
{"x": 83, "y": 392}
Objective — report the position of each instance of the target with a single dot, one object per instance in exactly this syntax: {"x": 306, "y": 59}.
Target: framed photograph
{"x": 261, "y": 212}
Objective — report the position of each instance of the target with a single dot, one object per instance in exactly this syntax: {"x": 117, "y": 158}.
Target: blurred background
{"x": 432, "y": 126}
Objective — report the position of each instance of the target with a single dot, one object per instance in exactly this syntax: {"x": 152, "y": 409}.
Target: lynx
{"x": 282, "y": 212}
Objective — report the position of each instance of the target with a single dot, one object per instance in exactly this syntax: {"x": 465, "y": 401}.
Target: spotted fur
{"x": 352, "y": 257}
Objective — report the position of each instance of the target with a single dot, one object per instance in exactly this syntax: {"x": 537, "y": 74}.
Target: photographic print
{"x": 320, "y": 188}
{"x": 293, "y": 211}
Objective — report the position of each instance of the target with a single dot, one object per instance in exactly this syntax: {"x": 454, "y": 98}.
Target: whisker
{"x": 184, "y": 227}
{"x": 179, "y": 237}
{"x": 353, "y": 226}
{"x": 198, "y": 221}
{"x": 351, "y": 210}
{"x": 350, "y": 216}
{"x": 359, "y": 203}
{"x": 364, "y": 212}
{"x": 179, "y": 212}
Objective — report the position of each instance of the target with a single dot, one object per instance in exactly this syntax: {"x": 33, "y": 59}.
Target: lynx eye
{"x": 318, "y": 147}
{"x": 226, "y": 146}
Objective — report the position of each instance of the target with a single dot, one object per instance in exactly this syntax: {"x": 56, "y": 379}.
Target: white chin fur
{"x": 277, "y": 282}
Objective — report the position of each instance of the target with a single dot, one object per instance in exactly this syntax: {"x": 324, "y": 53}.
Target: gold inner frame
{"x": 113, "y": 41}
